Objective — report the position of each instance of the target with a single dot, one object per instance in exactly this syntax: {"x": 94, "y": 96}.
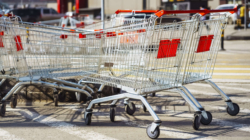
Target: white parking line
{"x": 5, "y": 135}
{"x": 63, "y": 126}
{"x": 171, "y": 132}
{"x": 226, "y": 87}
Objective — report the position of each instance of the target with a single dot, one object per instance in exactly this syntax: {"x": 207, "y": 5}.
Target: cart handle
{"x": 201, "y": 12}
{"x": 136, "y": 11}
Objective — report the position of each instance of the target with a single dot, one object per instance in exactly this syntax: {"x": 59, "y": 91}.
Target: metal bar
{"x": 45, "y": 84}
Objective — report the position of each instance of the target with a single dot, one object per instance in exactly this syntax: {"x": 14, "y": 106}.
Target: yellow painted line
{"x": 230, "y": 77}
{"x": 231, "y": 71}
{"x": 232, "y": 66}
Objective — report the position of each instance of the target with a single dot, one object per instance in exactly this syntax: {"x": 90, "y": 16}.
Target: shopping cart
{"x": 125, "y": 61}
{"x": 202, "y": 57}
{"x": 39, "y": 56}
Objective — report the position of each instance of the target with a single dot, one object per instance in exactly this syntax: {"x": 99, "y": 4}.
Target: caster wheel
{"x": 155, "y": 134}
{"x": 13, "y": 102}
{"x": 2, "y": 109}
{"x": 235, "y": 111}
{"x": 196, "y": 122}
{"x": 88, "y": 119}
{"x": 153, "y": 94}
{"x": 56, "y": 99}
{"x": 112, "y": 114}
{"x": 144, "y": 108}
{"x": 207, "y": 121}
{"x": 129, "y": 110}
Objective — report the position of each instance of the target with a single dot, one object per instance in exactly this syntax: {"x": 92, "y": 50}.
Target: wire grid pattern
{"x": 200, "y": 65}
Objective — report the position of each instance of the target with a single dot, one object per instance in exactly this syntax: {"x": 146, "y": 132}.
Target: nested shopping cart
{"x": 40, "y": 56}
{"x": 125, "y": 60}
{"x": 201, "y": 60}
{"x": 201, "y": 57}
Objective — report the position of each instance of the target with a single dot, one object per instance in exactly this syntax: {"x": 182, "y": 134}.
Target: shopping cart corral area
{"x": 118, "y": 78}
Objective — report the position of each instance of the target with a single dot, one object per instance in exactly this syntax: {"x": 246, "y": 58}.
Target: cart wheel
{"x": 112, "y": 114}
{"x": 196, "y": 122}
{"x": 88, "y": 119}
{"x": 207, "y": 121}
{"x": 153, "y": 94}
{"x": 2, "y": 109}
{"x": 56, "y": 99}
{"x": 235, "y": 111}
{"x": 13, "y": 101}
{"x": 144, "y": 108}
{"x": 155, "y": 134}
{"x": 129, "y": 110}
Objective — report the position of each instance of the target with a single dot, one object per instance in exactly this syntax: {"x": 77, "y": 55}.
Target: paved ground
{"x": 41, "y": 120}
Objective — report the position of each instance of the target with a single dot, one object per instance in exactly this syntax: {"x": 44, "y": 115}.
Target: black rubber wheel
{"x": 129, "y": 110}
{"x": 207, "y": 121}
{"x": 112, "y": 114}
{"x": 196, "y": 122}
{"x": 13, "y": 102}
{"x": 56, "y": 99}
{"x": 153, "y": 94}
{"x": 144, "y": 108}
{"x": 154, "y": 135}
{"x": 88, "y": 119}
{"x": 2, "y": 109}
{"x": 235, "y": 111}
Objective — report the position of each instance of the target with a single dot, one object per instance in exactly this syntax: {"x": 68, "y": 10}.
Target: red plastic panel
{"x": 82, "y": 36}
{"x": 205, "y": 43}
{"x": 19, "y": 45}
{"x": 168, "y": 48}
{"x": 1, "y": 39}
{"x": 141, "y": 31}
{"x": 99, "y": 33}
{"x": 111, "y": 34}
{"x": 63, "y": 36}
{"x": 80, "y": 25}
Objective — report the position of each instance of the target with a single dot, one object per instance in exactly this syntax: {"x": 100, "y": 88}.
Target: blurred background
{"x": 43, "y": 10}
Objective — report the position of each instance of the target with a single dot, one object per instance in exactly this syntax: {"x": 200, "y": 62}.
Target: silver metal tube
{"x": 2, "y": 81}
{"x": 122, "y": 96}
{"x": 18, "y": 89}
{"x": 226, "y": 98}
{"x": 101, "y": 87}
{"x": 46, "y": 84}
{"x": 103, "y": 13}
{"x": 187, "y": 99}
{"x": 7, "y": 77}
{"x": 191, "y": 96}
{"x": 114, "y": 102}
{"x": 69, "y": 83}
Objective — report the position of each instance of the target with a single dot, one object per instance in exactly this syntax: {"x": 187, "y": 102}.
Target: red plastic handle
{"x": 202, "y": 12}
{"x": 136, "y": 11}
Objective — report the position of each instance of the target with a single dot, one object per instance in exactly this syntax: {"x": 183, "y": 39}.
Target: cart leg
{"x": 197, "y": 115}
{"x": 2, "y": 81}
{"x": 143, "y": 106}
{"x": 152, "y": 131}
{"x": 114, "y": 102}
{"x": 232, "y": 108}
{"x": 206, "y": 117}
{"x": 203, "y": 112}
